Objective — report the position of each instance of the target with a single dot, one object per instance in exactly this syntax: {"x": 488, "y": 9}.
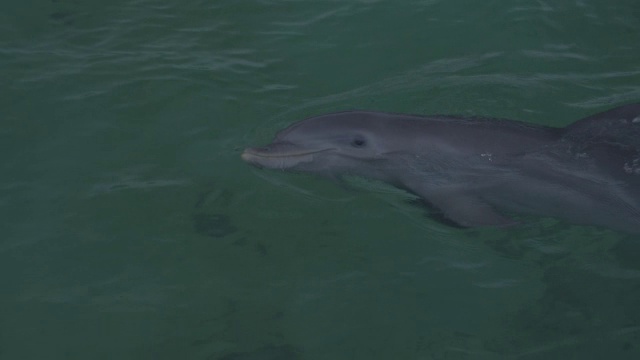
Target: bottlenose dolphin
{"x": 478, "y": 171}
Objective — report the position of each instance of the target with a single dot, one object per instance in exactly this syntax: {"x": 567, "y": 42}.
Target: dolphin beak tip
{"x": 250, "y": 157}
{"x": 247, "y": 155}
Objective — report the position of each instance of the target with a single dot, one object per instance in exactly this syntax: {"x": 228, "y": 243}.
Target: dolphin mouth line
{"x": 279, "y": 159}
{"x": 247, "y": 153}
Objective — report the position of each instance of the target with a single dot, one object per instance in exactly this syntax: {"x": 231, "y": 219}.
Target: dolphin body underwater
{"x": 476, "y": 172}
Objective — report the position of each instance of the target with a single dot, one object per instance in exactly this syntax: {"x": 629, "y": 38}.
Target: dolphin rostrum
{"x": 478, "y": 171}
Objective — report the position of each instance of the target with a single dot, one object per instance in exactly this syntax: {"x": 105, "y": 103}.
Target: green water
{"x": 131, "y": 229}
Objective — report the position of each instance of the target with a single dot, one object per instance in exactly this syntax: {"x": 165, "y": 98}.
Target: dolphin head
{"x": 333, "y": 144}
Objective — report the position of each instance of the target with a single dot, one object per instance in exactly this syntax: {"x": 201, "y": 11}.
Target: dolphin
{"x": 474, "y": 171}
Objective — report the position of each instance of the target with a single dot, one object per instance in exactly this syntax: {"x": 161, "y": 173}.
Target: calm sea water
{"x": 130, "y": 229}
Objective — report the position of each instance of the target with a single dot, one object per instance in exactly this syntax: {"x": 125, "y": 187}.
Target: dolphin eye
{"x": 358, "y": 142}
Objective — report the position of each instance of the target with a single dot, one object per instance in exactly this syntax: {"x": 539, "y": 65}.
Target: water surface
{"x": 131, "y": 229}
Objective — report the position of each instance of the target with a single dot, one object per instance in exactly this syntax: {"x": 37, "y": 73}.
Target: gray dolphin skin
{"x": 476, "y": 172}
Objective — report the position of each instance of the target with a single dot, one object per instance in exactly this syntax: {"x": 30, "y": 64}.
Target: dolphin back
{"x": 611, "y": 141}
{"x": 619, "y": 127}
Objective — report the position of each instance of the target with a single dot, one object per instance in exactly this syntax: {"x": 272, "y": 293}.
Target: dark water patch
{"x": 67, "y": 12}
{"x": 271, "y": 352}
{"x": 62, "y": 17}
{"x": 508, "y": 247}
{"x": 209, "y": 218}
{"x": 261, "y": 248}
{"x": 627, "y": 253}
{"x": 214, "y": 225}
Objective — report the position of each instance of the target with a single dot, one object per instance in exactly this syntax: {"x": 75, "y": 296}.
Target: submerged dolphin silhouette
{"x": 477, "y": 171}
